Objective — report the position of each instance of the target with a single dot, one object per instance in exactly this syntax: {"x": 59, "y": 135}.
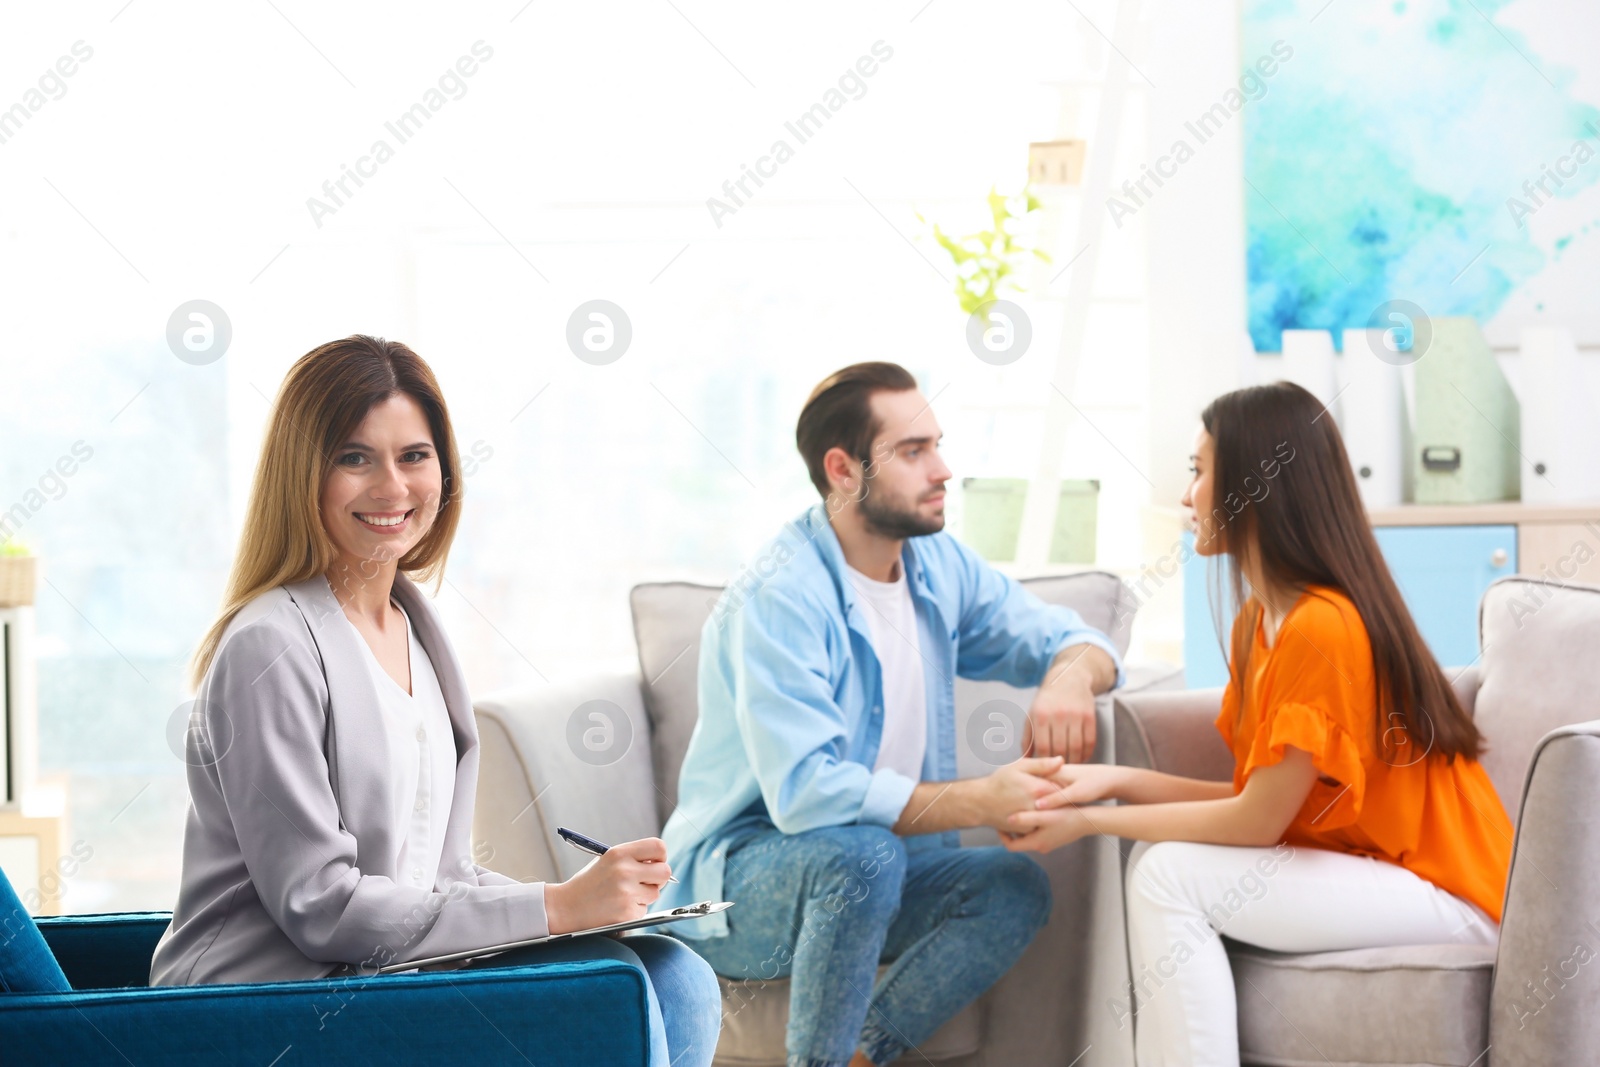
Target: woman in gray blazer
{"x": 333, "y": 754}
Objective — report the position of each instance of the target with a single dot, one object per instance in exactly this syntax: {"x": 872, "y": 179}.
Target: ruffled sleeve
{"x": 1334, "y": 753}
{"x": 1316, "y": 694}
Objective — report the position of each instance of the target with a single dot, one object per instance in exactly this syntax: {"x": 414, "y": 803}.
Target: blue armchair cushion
{"x": 589, "y": 1013}
{"x": 26, "y": 963}
{"x": 105, "y": 951}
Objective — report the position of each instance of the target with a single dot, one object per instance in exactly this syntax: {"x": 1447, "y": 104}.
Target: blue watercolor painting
{"x": 1388, "y": 160}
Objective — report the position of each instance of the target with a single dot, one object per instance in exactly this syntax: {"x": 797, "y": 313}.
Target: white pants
{"x": 1286, "y": 899}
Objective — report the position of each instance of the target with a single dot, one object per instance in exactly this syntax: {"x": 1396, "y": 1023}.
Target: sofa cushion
{"x": 755, "y": 1017}
{"x": 26, "y": 963}
{"x": 1414, "y": 1004}
{"x": 574, "y": 752}
{"x": 667, "y": 617}
{"x": 1101, "y": 598}
{"x": 1539, "y": 671}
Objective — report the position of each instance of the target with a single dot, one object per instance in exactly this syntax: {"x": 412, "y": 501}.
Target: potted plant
{"x": 989, "y": 266}
{"x": 988, "y": 261}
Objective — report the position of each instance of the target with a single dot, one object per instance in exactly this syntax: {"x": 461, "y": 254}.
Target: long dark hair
{"x": 1281, "y": 461}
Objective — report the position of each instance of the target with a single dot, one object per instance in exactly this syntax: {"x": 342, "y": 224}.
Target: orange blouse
{"x": 1314, "y": 689}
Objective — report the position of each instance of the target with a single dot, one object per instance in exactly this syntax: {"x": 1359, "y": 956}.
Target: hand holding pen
{"x": 593, "y": 847}
{"x": 619, "y": 886}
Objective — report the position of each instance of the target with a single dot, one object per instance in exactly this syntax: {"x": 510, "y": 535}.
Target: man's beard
{"x": 885, "y": 519}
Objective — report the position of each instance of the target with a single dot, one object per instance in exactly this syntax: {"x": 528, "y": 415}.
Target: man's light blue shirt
{"x": 791, "y": 694}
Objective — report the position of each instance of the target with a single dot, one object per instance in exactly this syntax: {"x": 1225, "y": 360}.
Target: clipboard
{"x": 656, "y": 918}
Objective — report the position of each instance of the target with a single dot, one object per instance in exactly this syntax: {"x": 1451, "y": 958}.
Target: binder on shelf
{"x": 1308, "y": 362}
{"x": 1560, "y": 434}
{"x": 1373, "y": 419}
{"x": 1468, "y": 422}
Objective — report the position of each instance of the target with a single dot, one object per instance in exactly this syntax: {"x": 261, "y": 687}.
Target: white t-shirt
{"x": 892, "y": 618}
{"x": 422, "y": 752}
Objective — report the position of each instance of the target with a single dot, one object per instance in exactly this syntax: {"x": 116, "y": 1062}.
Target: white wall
{"x": 1196, "y": 232}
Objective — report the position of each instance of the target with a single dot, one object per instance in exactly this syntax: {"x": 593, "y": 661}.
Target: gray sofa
{"x": 601, "y": 754}
{"x": 1535, "y": 1000}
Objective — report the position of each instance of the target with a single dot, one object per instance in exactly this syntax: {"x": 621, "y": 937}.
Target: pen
{"x": 590, "y": 845}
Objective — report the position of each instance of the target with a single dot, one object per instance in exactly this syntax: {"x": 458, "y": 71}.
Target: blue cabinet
{"x": 1442, "y": 572}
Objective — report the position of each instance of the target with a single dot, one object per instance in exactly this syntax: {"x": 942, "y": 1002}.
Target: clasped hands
{"x": 1036, "y": 800}
{"x": 1037, "y": 803}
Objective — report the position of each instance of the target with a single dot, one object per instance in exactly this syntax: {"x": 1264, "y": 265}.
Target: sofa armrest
{"x": 106, "y": 951}
{"x": 574, "y": 753}
{"x": 1150, "y": 675}
{"x": 573, "y": 1013}
{"x": 1173, "y": 732}
{"x": 1545, "y": 1007}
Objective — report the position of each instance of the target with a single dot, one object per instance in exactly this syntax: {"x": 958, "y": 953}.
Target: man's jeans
{"x": 824, "y": 907}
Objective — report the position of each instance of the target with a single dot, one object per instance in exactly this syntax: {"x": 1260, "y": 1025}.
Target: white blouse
{"x": 422, "y": 751}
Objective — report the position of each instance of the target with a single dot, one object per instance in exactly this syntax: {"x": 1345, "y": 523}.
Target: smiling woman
{"x": 332, "y": 761}
{"x": 341, "y": 386}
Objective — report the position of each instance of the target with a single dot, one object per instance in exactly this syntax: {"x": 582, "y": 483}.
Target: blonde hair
{"x": 323, "y": 399}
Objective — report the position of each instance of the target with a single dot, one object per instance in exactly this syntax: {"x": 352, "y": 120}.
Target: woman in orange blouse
{"x": 1358, "y": 815}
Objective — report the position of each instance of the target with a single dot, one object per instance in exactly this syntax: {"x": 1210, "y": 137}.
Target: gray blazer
{"x": 289, "y": 849}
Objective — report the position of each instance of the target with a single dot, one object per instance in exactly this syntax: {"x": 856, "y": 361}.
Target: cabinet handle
{"x": 1498, "y": 557}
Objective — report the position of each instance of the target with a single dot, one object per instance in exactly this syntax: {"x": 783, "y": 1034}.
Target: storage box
{"x": 18, "y": 578}
{"x": 992, "y": 522}
{"x": 1056, "y": 162}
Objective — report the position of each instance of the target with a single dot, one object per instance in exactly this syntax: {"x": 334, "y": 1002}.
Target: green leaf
{"x": 989, "y": 261}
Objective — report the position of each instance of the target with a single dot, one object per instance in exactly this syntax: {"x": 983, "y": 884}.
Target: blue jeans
{"x": 826, "y": 906}
{"x": 685, "y": 1000}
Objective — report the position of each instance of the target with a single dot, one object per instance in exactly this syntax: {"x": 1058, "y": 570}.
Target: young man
{"x": 819, "y": 787}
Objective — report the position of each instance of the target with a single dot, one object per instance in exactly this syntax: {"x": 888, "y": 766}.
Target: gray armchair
{"x": 1535, "y": 1000}
{"x": 602, "y": 754}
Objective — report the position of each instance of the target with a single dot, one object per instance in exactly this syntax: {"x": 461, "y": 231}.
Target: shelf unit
{"x": 1443, "y": 557}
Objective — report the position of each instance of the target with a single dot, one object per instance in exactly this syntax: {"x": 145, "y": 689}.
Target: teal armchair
{"x": 73, "y": 991}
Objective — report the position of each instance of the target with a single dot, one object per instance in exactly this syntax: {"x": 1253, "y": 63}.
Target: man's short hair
{"x": 838, "y": 414}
